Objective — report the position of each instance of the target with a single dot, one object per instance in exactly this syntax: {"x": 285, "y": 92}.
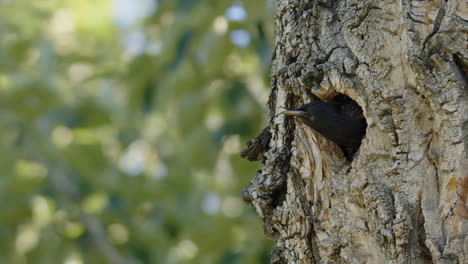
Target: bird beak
{"x": 294, "y": 113}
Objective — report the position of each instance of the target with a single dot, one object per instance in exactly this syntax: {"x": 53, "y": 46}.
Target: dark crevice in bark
{"x": 269, "y": 227}
{"x": 272, "y": 99}
{"x": 420, "y": 233}
{"x": 409, "y": 15}
{"x": 362, "y": 16}
{"x": 279, "y": 196}
{"x": 299, "y": 186}
{"x": 462, "y": 67}
{"x": 433, "y": 162}
{"x": 437, "y": 23}
{"x": 328, "y": 55}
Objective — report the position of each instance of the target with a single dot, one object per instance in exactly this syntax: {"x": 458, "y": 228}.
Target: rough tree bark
{"x": 403, "y": 199}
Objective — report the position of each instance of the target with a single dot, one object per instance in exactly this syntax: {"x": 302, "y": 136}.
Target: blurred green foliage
{"x": 121, "y": 126}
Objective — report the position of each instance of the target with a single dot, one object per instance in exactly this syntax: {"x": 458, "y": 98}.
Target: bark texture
{"x": 403, "y": 199}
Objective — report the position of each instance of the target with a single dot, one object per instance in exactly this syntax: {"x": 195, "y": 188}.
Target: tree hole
{"x": 353, "y": 127}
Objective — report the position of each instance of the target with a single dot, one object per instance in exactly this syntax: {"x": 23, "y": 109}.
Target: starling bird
{"x": 343, "y": 124}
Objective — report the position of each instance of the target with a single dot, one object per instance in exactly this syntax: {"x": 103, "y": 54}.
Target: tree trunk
{"x": 403, "y": 198}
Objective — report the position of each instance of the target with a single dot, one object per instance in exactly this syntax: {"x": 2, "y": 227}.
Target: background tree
{"x": 403, "y": 199}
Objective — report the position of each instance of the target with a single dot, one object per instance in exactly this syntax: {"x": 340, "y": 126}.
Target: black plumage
{"x": 343, "y": 124}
